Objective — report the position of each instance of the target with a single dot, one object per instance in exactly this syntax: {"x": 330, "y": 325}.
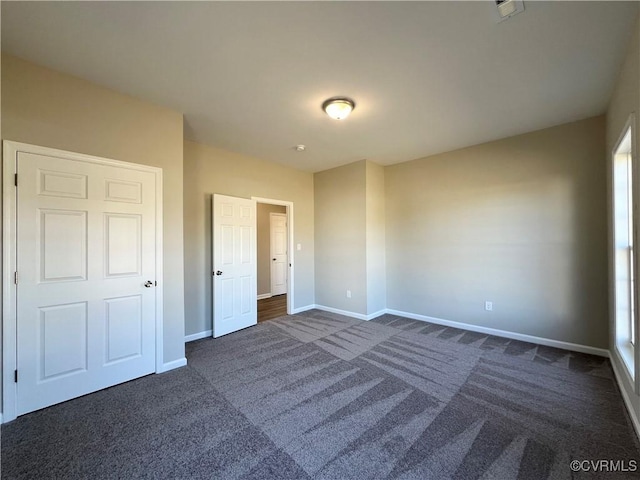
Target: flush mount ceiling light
{"x": 506, "y": 9}
{"x": 338, "y": 108}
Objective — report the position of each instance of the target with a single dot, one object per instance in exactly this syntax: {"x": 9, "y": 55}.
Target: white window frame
{"x": 624, "y": 344}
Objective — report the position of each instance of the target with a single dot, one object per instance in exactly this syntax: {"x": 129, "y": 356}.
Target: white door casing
{"x": 278, "y": 246}
{"x": 234, "y": 264}
{"x": 292, "y": 249}
{"x": 83, "y": 239}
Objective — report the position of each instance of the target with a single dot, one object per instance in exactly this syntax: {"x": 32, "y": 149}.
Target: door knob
{"x": 218, "y": 272}
{"x": 148, "y": 284}
{"x": 274, "y": 259}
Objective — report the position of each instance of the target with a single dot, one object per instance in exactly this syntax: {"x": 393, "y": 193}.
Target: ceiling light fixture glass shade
{"x": 338, "y": 108}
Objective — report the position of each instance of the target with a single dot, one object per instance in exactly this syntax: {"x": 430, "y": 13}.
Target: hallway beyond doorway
{"x": 272, "y": 307}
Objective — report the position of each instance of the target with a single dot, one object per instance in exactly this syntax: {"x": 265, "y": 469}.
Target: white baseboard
{"x": 303, "y": 309}
{"x": 264, "y": 295}
{"x": 505, "y": 333}
{"x": 346, "y": 313}
{"x": 198, "y": 336}
{"x": 625, "y": 396}
{"x": 576, "y": 347}
{"x": 377, "y": 314}
{"x": 181, "y": 362}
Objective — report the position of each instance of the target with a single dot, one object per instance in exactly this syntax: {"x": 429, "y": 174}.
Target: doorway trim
{"x": 290, "y": 245}
{"x": 9, "y": 264}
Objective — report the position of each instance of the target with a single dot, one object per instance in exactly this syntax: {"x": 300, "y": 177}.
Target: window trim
{"x": 625, "y": 348}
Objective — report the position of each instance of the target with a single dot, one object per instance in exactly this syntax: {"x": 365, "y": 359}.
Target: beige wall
{"x": 520, "y": 222}
{"x": 376, "y": 244}
{"x": 624, "y": 101}
{"x": 263, "y": 222}
{"x": 340, "y": 225}
{"x": 350, "y": 238}
{"x": 52, "y": 109}
{"x": 208, "y": 170}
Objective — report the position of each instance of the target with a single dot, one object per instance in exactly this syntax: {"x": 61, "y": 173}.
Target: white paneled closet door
{"x": 86, "y": 256}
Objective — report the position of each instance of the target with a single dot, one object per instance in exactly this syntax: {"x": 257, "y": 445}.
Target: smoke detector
{"x": 505, "y": 9}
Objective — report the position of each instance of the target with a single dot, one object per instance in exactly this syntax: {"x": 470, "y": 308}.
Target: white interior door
{"x": 234, "y": 264}
{"x": 85, "y": 277}
{"x": 278, "y": 229}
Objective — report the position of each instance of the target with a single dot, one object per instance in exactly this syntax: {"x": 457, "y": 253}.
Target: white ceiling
{"x": 427, "y": 77}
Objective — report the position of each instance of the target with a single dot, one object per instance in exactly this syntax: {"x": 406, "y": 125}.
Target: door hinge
{"x": 15, "y": 376}
{"x": 15, "y": 179}
{"x": 156, "y": 283}
{"x": 15, "y": 277}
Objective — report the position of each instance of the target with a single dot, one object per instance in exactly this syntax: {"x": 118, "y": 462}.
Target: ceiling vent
{"x": 506, "y": 9}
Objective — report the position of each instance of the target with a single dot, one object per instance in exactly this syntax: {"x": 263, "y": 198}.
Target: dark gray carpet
{"x": 322, "y": 396}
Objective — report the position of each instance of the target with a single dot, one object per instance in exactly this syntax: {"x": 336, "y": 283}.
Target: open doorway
{"x": 273, "y": 258}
